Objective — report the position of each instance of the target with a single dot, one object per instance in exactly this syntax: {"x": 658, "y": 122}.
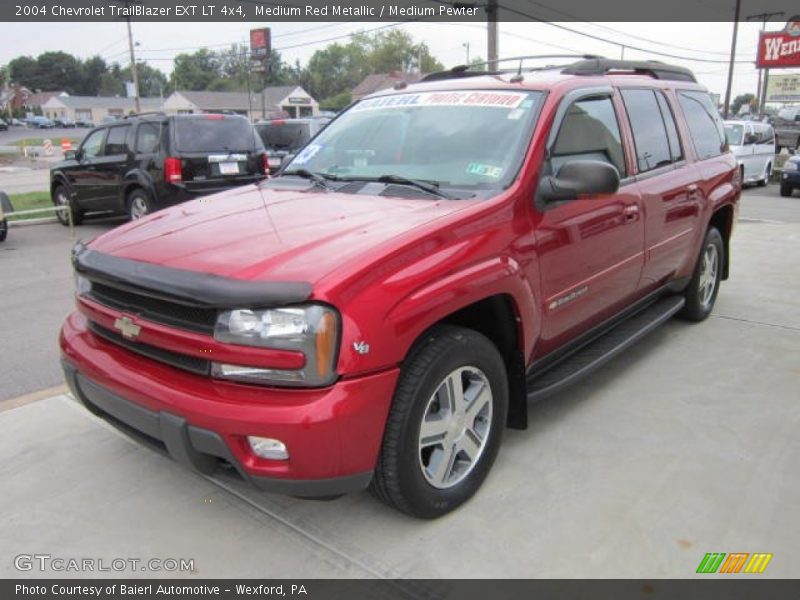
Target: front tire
{"x": 445, "y": 425}
{"x": 701, "y": 294}
{"x": 767, "y": 173}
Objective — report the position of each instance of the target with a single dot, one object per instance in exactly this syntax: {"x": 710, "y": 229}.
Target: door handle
{"x": 631, "y": 212}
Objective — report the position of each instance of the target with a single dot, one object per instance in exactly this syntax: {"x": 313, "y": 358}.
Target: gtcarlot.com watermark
{"x": 61, "y": 564}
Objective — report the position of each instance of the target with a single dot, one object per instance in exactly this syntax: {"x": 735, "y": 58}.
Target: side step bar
{"x": 602, "y": 349}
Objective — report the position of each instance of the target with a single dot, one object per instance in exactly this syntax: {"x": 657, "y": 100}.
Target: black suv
{"x": 143, "y": 163}
{"x": 283, "y": 137}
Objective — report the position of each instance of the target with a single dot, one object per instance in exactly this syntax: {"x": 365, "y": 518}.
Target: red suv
{"x": 436, "y": 258}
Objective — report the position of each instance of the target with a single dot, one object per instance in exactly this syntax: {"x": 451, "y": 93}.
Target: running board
{"x": 602, "y": 349}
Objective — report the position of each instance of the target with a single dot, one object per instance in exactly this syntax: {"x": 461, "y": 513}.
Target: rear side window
{"x": 649, "y": 130}
{"x": 214, "y": 133}
{"x": 282, "y": 135}
{"x": 117, "y": 140}
{"x": 147, "y": 138}
{"x": 589, "y": 131}
{"x": 764, "y": 134}
{"x": 705, "y": 126}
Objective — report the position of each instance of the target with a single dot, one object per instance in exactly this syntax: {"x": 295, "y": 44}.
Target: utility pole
{"x": 761, "y": 95}
{"x": 466, "y": 45}
{"x": 134, "y": 72}
{"x": 733, "y": 57}
{"x": 491, "y": 34}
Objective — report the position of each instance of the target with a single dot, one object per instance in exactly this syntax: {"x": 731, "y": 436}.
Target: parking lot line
{"x": 32, "y": 397}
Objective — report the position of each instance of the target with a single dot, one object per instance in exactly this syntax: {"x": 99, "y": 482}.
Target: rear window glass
{"x": 213, "y": 134}
{"x": 284, "y": 136}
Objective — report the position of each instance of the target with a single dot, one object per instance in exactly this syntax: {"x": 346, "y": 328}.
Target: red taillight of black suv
{"x": 173, "y": 171}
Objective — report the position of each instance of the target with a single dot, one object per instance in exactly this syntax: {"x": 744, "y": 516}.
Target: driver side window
{"x": 589, "y": 131}
{"x": 93, "y": 145}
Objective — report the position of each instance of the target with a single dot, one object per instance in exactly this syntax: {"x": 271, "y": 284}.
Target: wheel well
{"x": 496, "y": 318}
{"x": 722, "y": 219}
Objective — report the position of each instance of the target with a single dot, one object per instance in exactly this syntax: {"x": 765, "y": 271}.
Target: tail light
{"x": 265, "y": 163}
{"x": 172, "y": 170}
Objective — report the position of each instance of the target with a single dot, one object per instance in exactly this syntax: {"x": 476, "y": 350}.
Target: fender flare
{"x": 435, "y": 301}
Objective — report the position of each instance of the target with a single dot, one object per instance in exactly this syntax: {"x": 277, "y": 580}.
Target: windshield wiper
{"x": 320, "y": 179}
{"x": 430, "y": 187}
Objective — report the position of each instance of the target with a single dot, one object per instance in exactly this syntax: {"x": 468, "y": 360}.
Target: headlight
{"x": 82, "y": 285}
{"x": 312, "y": 330}
{"x": 791, "y": 165}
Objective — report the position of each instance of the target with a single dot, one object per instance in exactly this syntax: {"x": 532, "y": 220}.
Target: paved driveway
{"x": 685, "y": 444}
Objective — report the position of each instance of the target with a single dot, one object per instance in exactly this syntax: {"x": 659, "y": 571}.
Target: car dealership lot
{"x": 684, "y": 445}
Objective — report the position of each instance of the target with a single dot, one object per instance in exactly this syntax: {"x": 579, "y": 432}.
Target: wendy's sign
{"x": 780, "y": 48}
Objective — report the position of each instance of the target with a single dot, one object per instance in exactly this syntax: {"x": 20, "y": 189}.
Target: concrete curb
{"x": 25, "y": 222}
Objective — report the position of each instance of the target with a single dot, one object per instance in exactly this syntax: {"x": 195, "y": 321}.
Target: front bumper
{"x": 790, "y": 178}
{"x": 333, "y": 434}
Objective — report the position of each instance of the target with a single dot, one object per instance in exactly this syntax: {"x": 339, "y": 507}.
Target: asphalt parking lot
{"x": 685, "y": 444}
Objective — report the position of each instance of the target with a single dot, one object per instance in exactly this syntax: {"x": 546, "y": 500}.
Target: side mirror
{"x": 579, "y": 178}
{"x": 70, "y": 155}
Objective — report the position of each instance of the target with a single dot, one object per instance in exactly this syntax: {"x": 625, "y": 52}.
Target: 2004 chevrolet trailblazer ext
{"x": 437, "y": 257}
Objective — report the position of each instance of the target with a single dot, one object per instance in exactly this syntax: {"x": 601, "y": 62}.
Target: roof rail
{"x": 146, "y": 113}
{"x": 654, "y": 68}
{"x": 464, "y": 70}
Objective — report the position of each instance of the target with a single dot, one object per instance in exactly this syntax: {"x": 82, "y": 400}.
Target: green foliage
{"x": 337, "y": 102}
{"x": 330, "y": 74}
{"x": 740, "y": 101}
{"x": 338, "y": 68}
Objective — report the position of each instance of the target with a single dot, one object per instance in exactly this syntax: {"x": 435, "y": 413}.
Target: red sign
{"x": 780, "y": 48}
{"x": 260, "y": 43}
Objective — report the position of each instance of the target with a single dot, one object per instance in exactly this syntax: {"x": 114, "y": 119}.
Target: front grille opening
{"x": 193, "y": 318}
{"x": 180, "y": 361}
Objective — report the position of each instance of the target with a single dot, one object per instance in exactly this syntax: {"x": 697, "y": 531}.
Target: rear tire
{"x": 61, "y": 197}
{"x": 701, "y": 294}
{"x": 786, "y": 190}
{"x": 445, "y": 424}
{"x": 139, "y": 204}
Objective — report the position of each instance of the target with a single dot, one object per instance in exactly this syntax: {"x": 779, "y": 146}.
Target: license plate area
{"x": 228, "y": 168}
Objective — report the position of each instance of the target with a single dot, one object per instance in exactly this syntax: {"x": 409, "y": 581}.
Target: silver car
{"x": 754, "y": 146}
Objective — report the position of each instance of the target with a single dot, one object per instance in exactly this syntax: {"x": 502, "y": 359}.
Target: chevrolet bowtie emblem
{"x": 127, "y": 327}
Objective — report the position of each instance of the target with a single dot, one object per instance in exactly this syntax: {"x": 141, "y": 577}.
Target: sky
{"x": 158, "y": 43}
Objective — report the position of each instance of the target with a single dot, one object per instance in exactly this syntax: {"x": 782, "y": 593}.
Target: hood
{"x": 260, "y": 234}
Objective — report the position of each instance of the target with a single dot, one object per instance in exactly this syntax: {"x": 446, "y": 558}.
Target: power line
{"x": 619, "y": 44}
{"x": 625, "y": 33}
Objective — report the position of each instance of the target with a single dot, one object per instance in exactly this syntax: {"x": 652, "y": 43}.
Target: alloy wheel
{"x": 455, "y": 427}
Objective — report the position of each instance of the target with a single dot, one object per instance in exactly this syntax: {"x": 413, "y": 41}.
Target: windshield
{"x": 284, "y": 135}
{"x": 213, "y": 133}
{"x": 468, "y": 138}
{"x": 734, "y": 133}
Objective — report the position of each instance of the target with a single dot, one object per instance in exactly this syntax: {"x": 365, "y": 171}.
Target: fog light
{"x": 268, "y": 448}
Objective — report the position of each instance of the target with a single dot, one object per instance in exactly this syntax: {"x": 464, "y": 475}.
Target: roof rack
{"x": 654, "y": 68}
{"x": 464, "y": 70}
{"x": 145, "y": 114}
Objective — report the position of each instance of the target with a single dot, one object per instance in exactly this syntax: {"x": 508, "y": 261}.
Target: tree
{"x": 338, "y": 68}
{"x": 739, "y": 101}
{"x": 152, "y": 82}
{"x": 195, "y": 72}
{"x": 93, "y": 70}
